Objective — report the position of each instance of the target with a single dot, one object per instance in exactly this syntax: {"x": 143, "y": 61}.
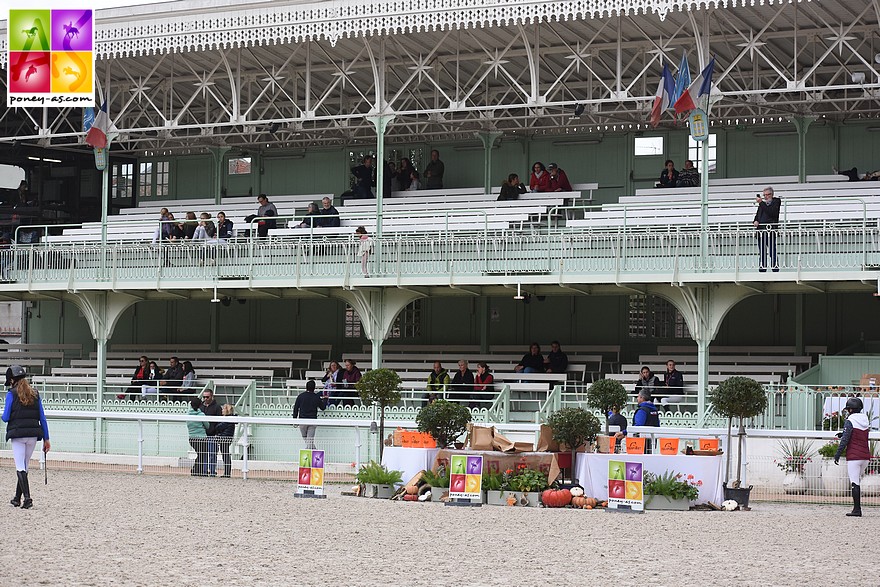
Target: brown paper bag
{"x": 523, "y": 447}
{"x": 545, "y": 440}
{"x": 606, "y": 444}
{"x": 481, "y": 437}
{"x": 502, "y": 443}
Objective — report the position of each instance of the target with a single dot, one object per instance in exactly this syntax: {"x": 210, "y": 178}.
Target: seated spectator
{"x": 483, "y": 385}
{"x": 689, "y": 176}
{"x": 365, "y": 178}
{"x": 267, "y": 212}
{"x": 189, "y": 379}
{"x": 673, "y": 379}
{"x": 511, "y": 188}
{"x": 414, "y": 183}
{"x": 532, "y": 361}
{"x": 648, "y": 382}
{"x": 224, "y": 227}
{"x": 404, "y": 174}
{"x": 332, "y": 382}
{"x": 438, "y": 381}
{"x": 141, "y": 375}
{"x": 351, "y": 374}
{"x": 329, "y": 216}
{"x": 173, "y": 375}
{"x": 556, "y": 361}
{"x": 462, "y": 383}
{"x": 154, "y": 378}
{"x": 669, "y": 176}
{"x": 311, "y": 218}
{"x": 189, "y": 227}
{"x": 539, "y": 181}
{"x": 853, "y": 174}
{"x": 615, "y": 418}
{"x": 558, "y": 179}
{"x": 163, "y": 232}
{"x": 201, "y": 232}
{"x": 178, "y": 230}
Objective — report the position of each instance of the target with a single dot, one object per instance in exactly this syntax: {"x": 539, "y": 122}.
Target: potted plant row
{"x": 438, "y": 481}
{"x": 377, "y": 480}
{"x": 521, "y": 487}
{"x": 670, "y": 491}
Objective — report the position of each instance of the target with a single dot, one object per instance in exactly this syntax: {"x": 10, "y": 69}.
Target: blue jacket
{"x": 646, "y": 415}
{"x": 7, "y": 414}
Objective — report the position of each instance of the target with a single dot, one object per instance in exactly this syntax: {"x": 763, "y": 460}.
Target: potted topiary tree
{"x": 444, "y": 421}
{"x": 738, "y": 397}
{"x": 381, "y": 386}
{"x": 574, "y": 427}
{"x": 605, "y": 394}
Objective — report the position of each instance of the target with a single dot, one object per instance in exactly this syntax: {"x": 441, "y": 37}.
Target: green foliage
{"x": 438, "y": 479}
{"x": 833, "y": 421}
{"x": 528, "y": 480}
{"x": 795, "y": 453}
{"x": 381, "y": 386}
{"x": 574, "y": 426}
{"x": 605, "y": 394}
{"x": 493, "y": 481}
{"x": 672, "y": 485}
{"x": 376, "y": 474}
{"x": 443, "y": 420}
{"x": 738, "y": 397}
{"x": 829, "y": 450}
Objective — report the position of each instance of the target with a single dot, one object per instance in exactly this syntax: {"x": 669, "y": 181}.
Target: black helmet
{"x": 17, "y": 372}
{"x": 854, "y": 405}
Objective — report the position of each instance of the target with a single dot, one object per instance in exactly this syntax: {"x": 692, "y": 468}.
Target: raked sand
{"x": 123, "y": 529}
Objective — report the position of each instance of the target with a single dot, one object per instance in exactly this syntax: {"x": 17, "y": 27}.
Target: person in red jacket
{"x": 854, "y": 440}
{"x": 558, "y": 179}
{"x": 540, "y": 179}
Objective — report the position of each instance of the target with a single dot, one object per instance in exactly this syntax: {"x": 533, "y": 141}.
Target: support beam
{"x": 378, "y": 309}
{"x": 380, "y": 122}
{"x": 488, "y": 138}
{"x": 802, "y": 124}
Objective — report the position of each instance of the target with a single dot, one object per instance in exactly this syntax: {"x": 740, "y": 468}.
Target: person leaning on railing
{"x": 306, "y": 407}
{"x": 198, "y": 438}
{"x": 225, "y": 431}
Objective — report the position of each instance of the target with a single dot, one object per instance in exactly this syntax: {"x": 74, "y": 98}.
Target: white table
{"x": 592, "y": 472}
{"x": 408, "y": 460}
{"x": 837, "y": 404}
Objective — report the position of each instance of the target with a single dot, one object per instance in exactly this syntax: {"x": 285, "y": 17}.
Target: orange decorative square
{"x": 668, "y": 446}
{"x": 635, "y": 446}
{"x": 708, "y": 444}
{"x": 72, "y": 72}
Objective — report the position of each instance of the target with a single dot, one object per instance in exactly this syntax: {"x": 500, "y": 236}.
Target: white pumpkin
{"x": 577, "y": 491}
{"x": 729, "y": 505}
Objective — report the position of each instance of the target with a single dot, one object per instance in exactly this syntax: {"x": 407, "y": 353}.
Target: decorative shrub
{"x": 605, "y": 394}
{"x": 380, "y": 386}
{"x": 443, "y": 420}
{"x": 376, "y": 474}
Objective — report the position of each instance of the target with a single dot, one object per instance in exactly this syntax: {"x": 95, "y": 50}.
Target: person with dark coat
{"x": 647, "y": 382}
{"x": 646, "y": 414}
{"x": 365, "y": 178}
{"x": 556, "y": 361}
{"x": 224, "y": 227}
{"x": 483, "y": 382}
{"x": 351, "y": 374}
{"x": 511, "y": 188}
{"x": 404, "y": 174}
{"x": 210, "y": 407}
{"x": 306, "y": 407}
{"x": 854, "y": 440}
{"x": 767, "y": 223}
{"x": 328, "y": 215}
{"x": 139, "y": 379}
{"x": 225, "y": 431}
{"x": 462, "y": 385}
{"x": 558, "y": 179}
{"x": 25, "y": 425}
{"x": 669, "y": 175}
{"x": 673, "y": 379}
{"x": 174, "y": 373}
{"x": 434, "y": 172}
{"x": 532, "y": 361}
{"x": 615, "y": 418}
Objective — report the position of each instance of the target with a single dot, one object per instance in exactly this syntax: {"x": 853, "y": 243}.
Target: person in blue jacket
{"x": 646, "y": 414}
{"x": 25, "y": 425}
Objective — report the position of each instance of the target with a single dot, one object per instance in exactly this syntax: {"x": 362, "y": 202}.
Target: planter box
{"x": 498, "y": 497}
{"x": 794, "y": 484}
{"x": 380, "y": 491}
{"x": 834, "y": 478}
{"x": 662, "y": 502}
{"x": 438, "y": 492}
{"x": 870, "y": 485}
{"x": 534, "y": 499}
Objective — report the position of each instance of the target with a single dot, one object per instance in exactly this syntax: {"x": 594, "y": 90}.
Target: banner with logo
{"x": 50, "y": 57}
{"x": 466, "y": 477}
{"x": 625, "y": 489}
{"x": 311, "y": 472}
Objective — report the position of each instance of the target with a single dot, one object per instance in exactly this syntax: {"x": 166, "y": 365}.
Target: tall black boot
{"x": 25, "y": 490}
{"x": 857, "y": 501}
{"x": 16, "y": 501}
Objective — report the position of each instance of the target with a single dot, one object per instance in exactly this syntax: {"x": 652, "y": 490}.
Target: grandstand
{"x": 622, "y": 273}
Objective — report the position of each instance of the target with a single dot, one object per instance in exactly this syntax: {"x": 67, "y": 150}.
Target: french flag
{"x": 700, "y": 87}
{"x": 97, "y": 135}
{"x": 663, "y": 96}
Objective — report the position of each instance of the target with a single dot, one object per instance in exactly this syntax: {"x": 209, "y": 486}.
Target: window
{"x": 11, "y": 176}
{"x": 145, "y": 179}
{"x": 154, "y": 177}
{"x": 353, "y": 327}
{"x": 240, "y": 166}
{"x": 122, "y": 181}
{"x": 648, "y": 146}
{"x": 694, "y": 152}
{"x": 162, "y": 176}
{"x": 655, "y": 317}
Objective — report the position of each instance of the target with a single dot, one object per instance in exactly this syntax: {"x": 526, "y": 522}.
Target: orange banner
{"x": 708, "y": 444}
{"x": 668, "y": 446}
{"x": 635, "y": 446}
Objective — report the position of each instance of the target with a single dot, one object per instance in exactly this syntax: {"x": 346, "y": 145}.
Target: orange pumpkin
{"x": 579, "y": 501}
{"x": 412, "y": 489}
{"x": 588, "y": 507}
{"x": 556, "y": 498}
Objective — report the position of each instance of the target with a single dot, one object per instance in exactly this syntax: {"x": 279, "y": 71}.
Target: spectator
{"x": 174, "y": 373}
{"x": 332, "y": 380}
{"x": 210, "y": 408}
{"x": 5, "y": 260}
{"x": 365, "y": 178}
{"x": 267, "y": 212}
{"x": 540, "y": 179}
{"x": 689, "y": 176}
{"x": 648, "y": 382}
{"x": 154, "y": 378}
{"x": 351, "y": 374}
{"x": 404, "y": 174}
{"x": 669, "y": 176}
{"x": 434, "y": 172}
{"x": 414, "y": 184}
{"x": 673, "y": 379}
{"x": 389, "y": 180}
{"x": 365, "y": 247}
{"x": 646, "y": 413}
{"x": 438, "y": 382}
{"x": 201, "y": 232}
{"x": 189, "y": 379}
{"x": 25, "y": 425}
{"x": 311, "y": 218}
{"x": 328, "y": 215}
{"x": 855, "y": 447}
{"x": 483, "y": 385}
{"x": 178, "y": 232}
{"x": 189, "y": 227}
{"x": 532, "y": 361}
{"x": 615, "y": 418}
{"x": 198, "y": 437}
{"x": 163, "y": 232}
{"x": 462, "y": 382}
{"x": 556, "y": 360}
{"x": 558, "y": 179}
{"x": 767, "y": 223}
{"x": 853, "y": 174}
{"x": 23, "y": 199}
{"x": 225, "y": 432}
{"x": 138, "y": 379}
{"x": 306, "y": 407}
{"x": 511, "y": 188}
{"x": 224, "y": 227}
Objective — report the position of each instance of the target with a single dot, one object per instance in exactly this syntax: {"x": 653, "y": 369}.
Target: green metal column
{"x": 381, "y": 122}
{"x": 802, "y": 124}
{"x": 488, "y": 138}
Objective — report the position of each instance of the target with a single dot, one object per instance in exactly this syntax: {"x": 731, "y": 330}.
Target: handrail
{"x": 499, "y": 411}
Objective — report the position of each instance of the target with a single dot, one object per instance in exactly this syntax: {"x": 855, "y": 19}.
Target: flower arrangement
{"x": 874, "y": 461}
{"x": 829, "y": 450}
{"x": 794, "y": 455}
{"x": 376, "y": 474}
{"x": 833, "y": 421}
{"x": 672, "y": 485}
{"x": 525, "y": 480}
